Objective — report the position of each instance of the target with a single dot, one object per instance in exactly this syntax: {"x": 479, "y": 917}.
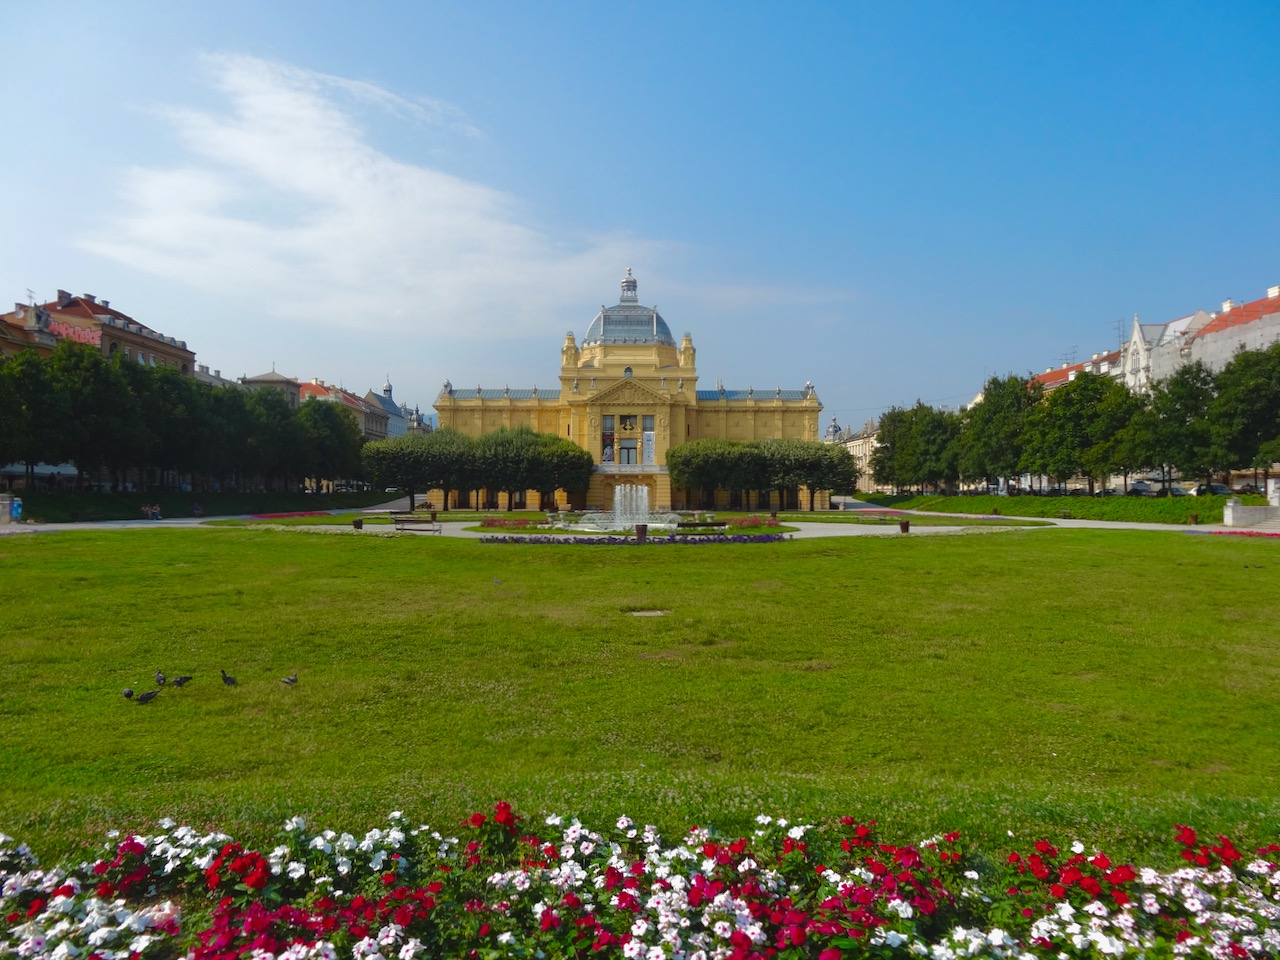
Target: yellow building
{"x": 628, "y": 393}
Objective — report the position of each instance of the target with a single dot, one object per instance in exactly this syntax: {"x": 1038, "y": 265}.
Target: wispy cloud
{"x": 283, "y": 200}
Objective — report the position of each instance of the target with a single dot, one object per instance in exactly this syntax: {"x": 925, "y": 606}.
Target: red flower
{"x": 477, "y": 820}
{"x": 550, "y": 920}
{"x": 1186, "y": 836}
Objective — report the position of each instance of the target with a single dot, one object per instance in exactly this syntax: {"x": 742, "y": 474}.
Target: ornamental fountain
{"x": 630, "y": 508}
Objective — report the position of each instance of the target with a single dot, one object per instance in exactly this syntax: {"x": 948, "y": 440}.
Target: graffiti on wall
{"x": 69, "y": 331}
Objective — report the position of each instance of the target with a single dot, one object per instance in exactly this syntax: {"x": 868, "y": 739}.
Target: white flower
{"x": 411, "y": 949}
{"x": 551, "y": 821}
{"x": 764, "y": 819}
{"x": 587, "y": 847}
{"x": 632, "y": 949}
{"x": 722, "y": 929}
{"x": 1077, "y": 847}
{"x": 971, "y": 874}
{"x": 1095, "y": 907}
{"x": 796, "y": 832}
{"x": 167, "y": 823}
{"x": 625, "y": 822}
{"x": 902, "y": 908}
{"x": 640, "y": 927}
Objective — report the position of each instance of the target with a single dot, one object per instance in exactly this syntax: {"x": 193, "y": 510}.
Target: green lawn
{"x": 1110, "y": 683}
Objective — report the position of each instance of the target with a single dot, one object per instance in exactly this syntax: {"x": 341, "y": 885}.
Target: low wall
{"x": 1235, "y": 514}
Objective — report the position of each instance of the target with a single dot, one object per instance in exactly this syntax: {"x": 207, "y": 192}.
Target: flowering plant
{"x": 498, "y": 886}
{"x": 755, "y": 520}
{"x": 682, "y": 539}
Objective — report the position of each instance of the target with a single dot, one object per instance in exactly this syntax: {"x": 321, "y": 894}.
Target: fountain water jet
{"x": 630, "y": 507}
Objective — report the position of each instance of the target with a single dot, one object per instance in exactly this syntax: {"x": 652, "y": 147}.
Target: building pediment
{"x": 631, "y": 392}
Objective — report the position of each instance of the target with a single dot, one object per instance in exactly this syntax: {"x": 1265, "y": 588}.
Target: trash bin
{"x": 642, "y": 532}
{"x": 15, "y": 509}
{"x": 358, "y": 523}
{"x": 6, "y": 504}
{"x": 904, "y": 526}
{"x": 1195, "y": 518}
{"x": 433, "y": 516}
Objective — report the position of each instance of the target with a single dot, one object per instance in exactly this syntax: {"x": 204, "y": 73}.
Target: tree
{"x": 331, "y": 440}
{"x": 1182, "y": 432}
{"x": 1244, "y": 413}
{"x": 892, "y": 461}
{"x": 103, "y": 412}
{"x": 992, "y": 436}
{"x": 563, "y": 466}
{"x": 35, "y": 415}
{"x": 1076, "y": 430}
{"x": 274, "y": 447}
{"x": 401, "y": 462}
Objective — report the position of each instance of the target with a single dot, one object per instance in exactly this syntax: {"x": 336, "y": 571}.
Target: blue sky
{"x": 893, "y": 200}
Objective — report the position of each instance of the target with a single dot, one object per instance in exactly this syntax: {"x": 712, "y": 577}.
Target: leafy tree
{"x": 507, "y": 461}
{"x": 103, "y": 412}
{"x": 563, "y": 465}
{"x": 1244, "y": 413}
{"x": 402, "y": 462}
{"x": 35, "y": 415}
{"x": 892, "y": 460}
{"x": 450, "y": 462}
{"x": 701, "y": 465}
{"x": 992, "y": 437}
{"x": 331, "y": 440}
{"x": 274, "y": 448}
{"x": 1182, "y": 432}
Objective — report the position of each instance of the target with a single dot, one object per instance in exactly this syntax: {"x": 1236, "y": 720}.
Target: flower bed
{"x": 752, "y": 521}
{"x": 672, "y": 538}
{"x": 496, "y": 886}
{"x": 507, "y": 523}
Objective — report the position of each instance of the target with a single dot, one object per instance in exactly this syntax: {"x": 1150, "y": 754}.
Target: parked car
{"x": 1212, "y": 490}
{"x": 1139, "y": 488}
{"x": 1247, "y": 488}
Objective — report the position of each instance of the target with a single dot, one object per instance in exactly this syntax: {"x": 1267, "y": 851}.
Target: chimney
{"x": 1273, "y": 292}
{"x": 90, "y": 297}
{"x": 216, "y": 373}
{"x": 1227, "y": 305}
{"x": 106, "y": 303}
{"x": 64, "y": 298}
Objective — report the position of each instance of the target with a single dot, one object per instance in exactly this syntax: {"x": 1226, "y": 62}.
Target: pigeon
{"x": 290, "y": 681}
{"x": 148, "y": 696}
{"x": 179, "y": 681}
{"x": 159, "y": 679}
{"x": 128, "y": 693}
{"x": 230, "y": 681}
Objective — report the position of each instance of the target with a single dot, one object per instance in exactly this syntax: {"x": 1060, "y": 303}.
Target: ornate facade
{"x": 627, "y": 394}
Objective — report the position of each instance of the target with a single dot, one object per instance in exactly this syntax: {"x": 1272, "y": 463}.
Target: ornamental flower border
{"x": 496, "y": 887}
{"x": 679, "y": 539}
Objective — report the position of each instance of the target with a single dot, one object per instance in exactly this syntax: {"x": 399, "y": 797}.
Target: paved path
{"x": 802, "y": 529}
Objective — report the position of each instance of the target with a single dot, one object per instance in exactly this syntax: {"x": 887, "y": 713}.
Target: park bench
{"x": 416, "y": 522}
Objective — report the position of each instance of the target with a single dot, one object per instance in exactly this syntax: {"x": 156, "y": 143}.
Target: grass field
{"x": 1110, "y": 683}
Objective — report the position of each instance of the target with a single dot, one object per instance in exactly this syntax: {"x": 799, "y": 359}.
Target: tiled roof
{"x": 1056, "y": 378}
{"x": 386, "y": 403}
{"x": 1241, "y": 314}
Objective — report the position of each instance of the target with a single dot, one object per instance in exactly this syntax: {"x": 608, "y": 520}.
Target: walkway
{"x": 802, "y": 529}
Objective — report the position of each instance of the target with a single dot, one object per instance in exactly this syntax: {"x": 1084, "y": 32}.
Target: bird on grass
{"x": 147, "y": 697}
{"x": 229, "y": 680}
{"x": 159, "y": 679}
{"x": 128, "y": 693}
{"x": 290, "y": 681}
{"x": 181, "y": 681}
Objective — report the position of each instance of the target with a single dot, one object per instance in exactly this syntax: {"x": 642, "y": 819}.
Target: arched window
{"x": 626, "y": 372}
